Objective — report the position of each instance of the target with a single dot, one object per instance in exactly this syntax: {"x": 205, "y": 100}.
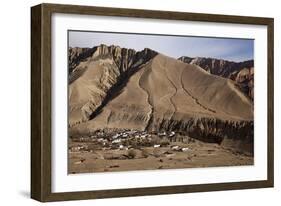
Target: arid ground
{"x": 150, "y": 152}
{"x": 139, "y": 110}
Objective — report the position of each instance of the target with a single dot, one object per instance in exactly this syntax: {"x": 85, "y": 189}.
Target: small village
{"x": 126, "y": 139}
{"x": 127, "y": 149}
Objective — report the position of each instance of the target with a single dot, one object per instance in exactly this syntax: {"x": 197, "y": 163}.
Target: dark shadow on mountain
{"x": 122, "y": 81}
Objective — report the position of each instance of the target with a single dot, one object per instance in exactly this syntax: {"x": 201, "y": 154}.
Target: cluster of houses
{"x": 116, "y": 139}
{"x": 125, "y": 140}
{"x": 138, "y": 136}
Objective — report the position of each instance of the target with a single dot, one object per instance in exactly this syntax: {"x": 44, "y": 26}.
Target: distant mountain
{"x": 113, "y": 87}
{"x": 240, "y": 72}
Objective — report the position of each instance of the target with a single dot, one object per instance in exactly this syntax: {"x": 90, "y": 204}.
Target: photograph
{"x": 132, "y": 102}
{"x": 150, "y": 101}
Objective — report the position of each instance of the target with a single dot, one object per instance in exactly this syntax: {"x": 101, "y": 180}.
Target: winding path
{"x": 175, "y": 92}
{"x": 149, "y": 101}
{"x": 194, "y": 98}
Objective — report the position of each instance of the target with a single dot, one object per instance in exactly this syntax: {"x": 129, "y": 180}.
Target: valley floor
{"x": 98, "y": 155}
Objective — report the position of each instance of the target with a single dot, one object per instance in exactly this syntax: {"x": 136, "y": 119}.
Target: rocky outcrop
{"x": 228, "y": 69}
{"x": 235, "y": 135}
{"x": 211, "y": 129}
{"x": 245, "y": 81}
{"x": 76, "y": 55}
{"x": 124, "y": 58}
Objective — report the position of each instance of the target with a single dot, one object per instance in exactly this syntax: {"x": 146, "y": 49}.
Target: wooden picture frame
{"x": 41, "y": 116}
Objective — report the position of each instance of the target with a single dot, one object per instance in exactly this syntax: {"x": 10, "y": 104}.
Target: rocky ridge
{"x": 240, "y": 72}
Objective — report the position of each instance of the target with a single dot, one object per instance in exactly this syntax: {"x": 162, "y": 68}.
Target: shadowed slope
{"x": 99, "y": 77}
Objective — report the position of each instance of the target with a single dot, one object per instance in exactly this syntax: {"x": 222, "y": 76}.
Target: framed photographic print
{"x": 132, "y": 102}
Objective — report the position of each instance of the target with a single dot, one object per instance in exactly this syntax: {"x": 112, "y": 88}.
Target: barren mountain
{"x": 112, "y": 87}
{"x": 240, "y": 72}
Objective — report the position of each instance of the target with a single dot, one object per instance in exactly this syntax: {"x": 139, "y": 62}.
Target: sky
{"x": 174, "y": 46}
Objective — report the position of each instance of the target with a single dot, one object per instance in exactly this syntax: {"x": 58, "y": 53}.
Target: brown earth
{"x": 198, "y": 155}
